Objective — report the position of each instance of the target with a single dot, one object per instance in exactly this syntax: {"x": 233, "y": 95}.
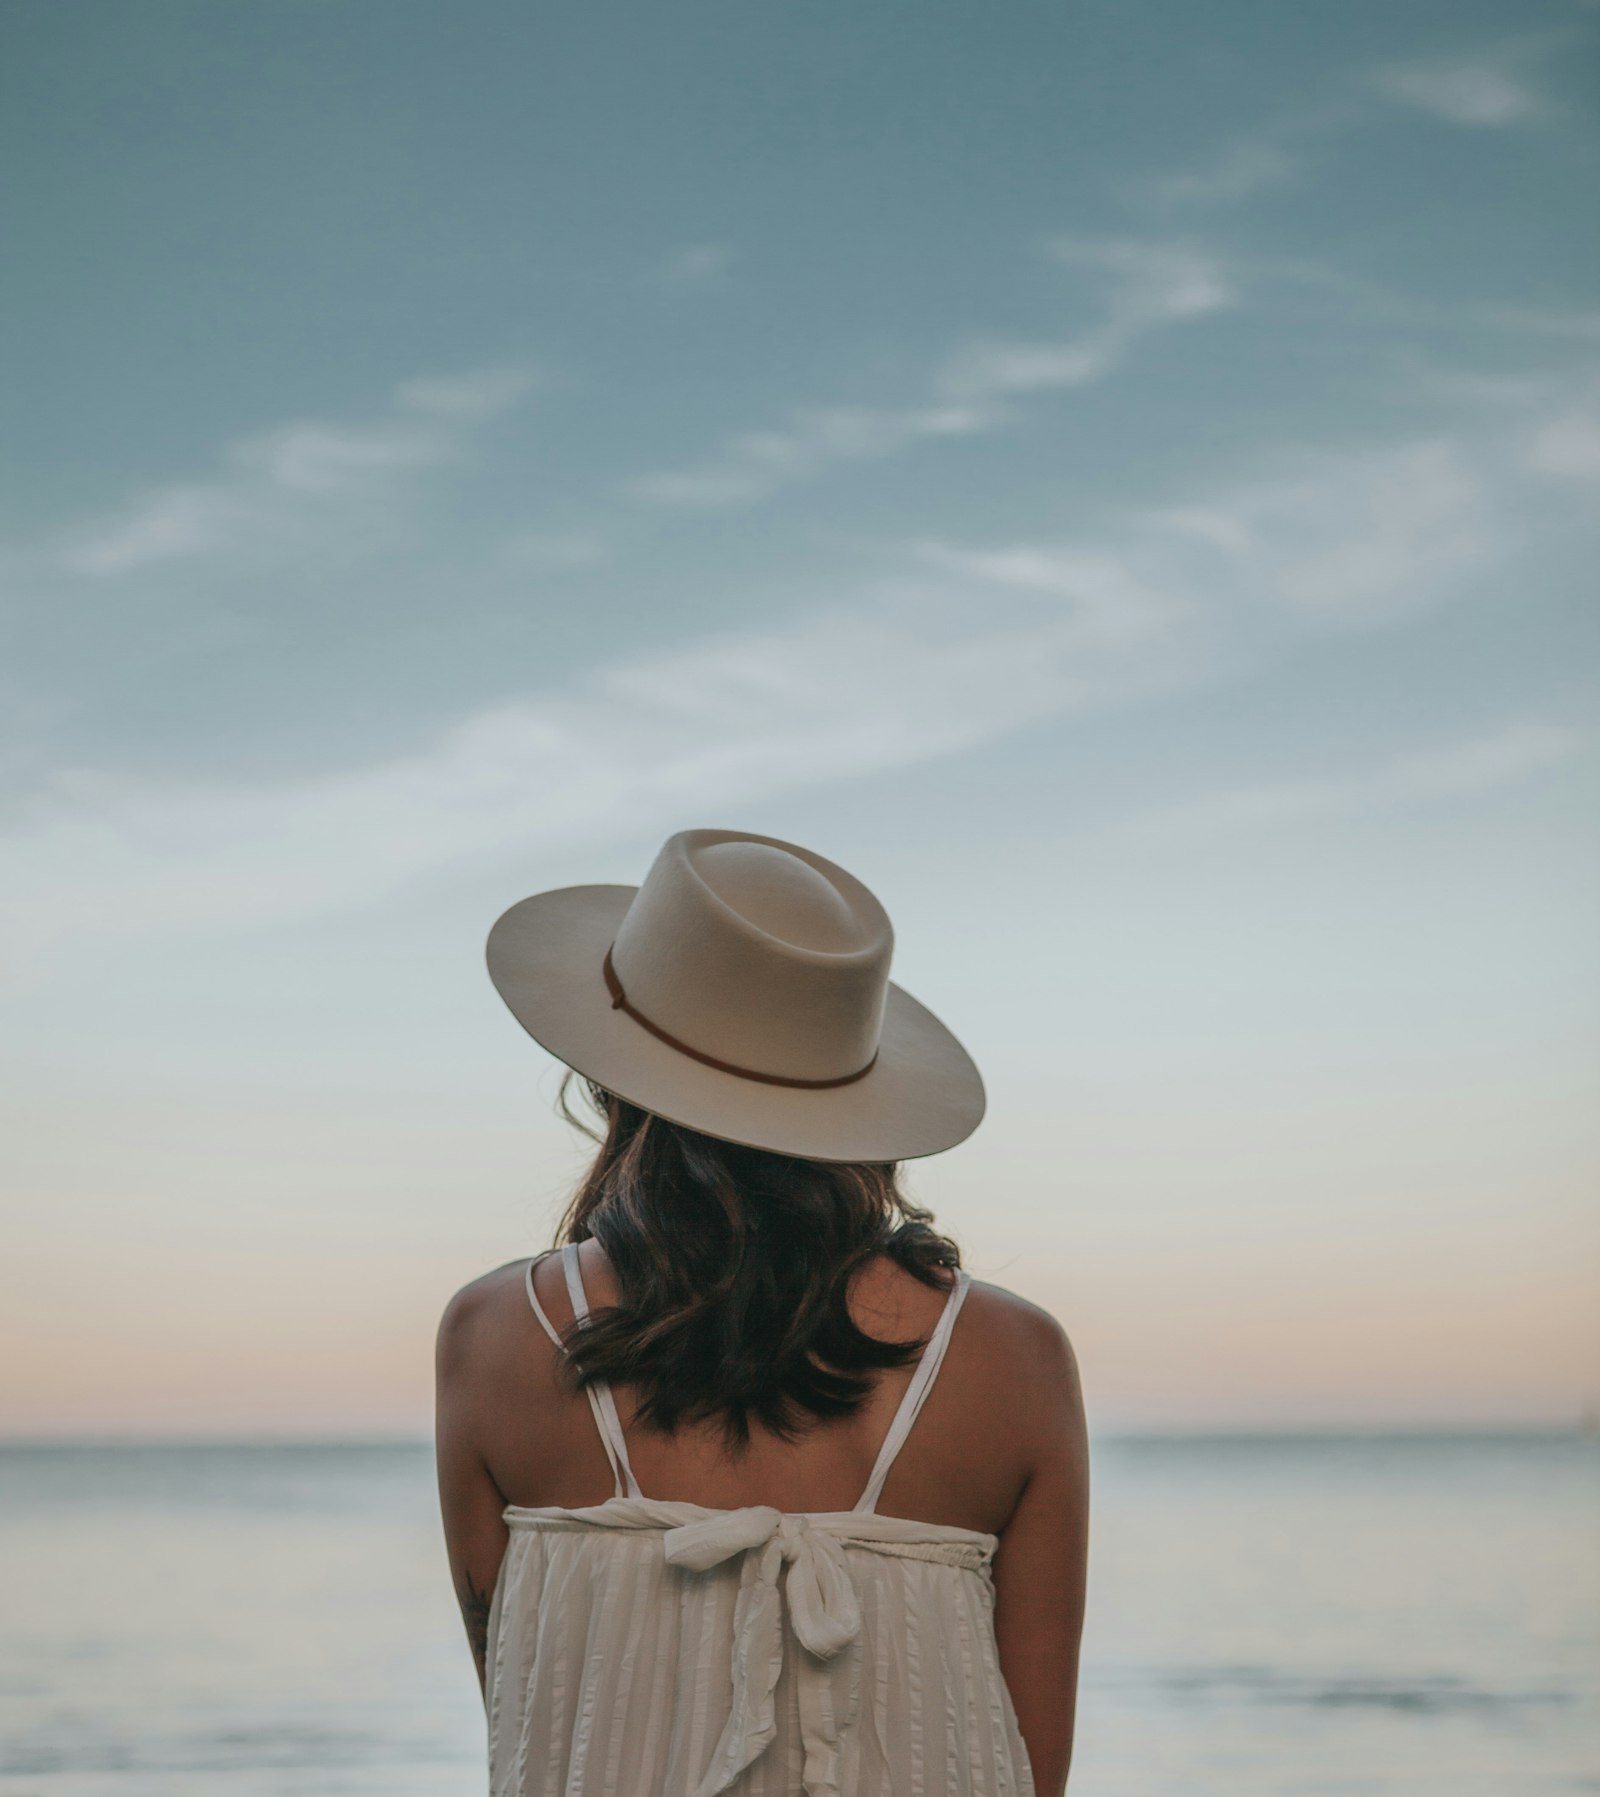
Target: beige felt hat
{"x": 743, "y": 990}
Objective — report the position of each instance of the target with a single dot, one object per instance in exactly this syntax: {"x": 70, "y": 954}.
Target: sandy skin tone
{"x": 510, "y": 1432}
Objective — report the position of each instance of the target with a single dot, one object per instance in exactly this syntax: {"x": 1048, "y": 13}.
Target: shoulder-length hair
{"x": 733, "y": 1266}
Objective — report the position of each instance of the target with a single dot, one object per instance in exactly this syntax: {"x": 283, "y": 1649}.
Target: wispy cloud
{"x": 1112, "y": 602}
{"x": 1483, "y": 90}
{"x": 1492, "y": 86}
{"x": 1273, "y": 152}
{"x": 1353, "y": 535}
{"x": 170, "y": 524}
{"x": 675, "y": 734}
{"x": 695, "y": 267}
{"x": 283, "y": 481}
{"x": 811, "y": 439}
{"x": 1360, "y": 301}
{"x": 1239, "y": 170}
{"x": 1489, "y": 86}
{"x": 1551, "y": 417}
{"x": 1141, "y": 287}
{"x": 1567, "y": 446}
{"x": 1368, "y": 538}
{"x": 1514, "y": 752}
{"x": 1144, "y": 287}
{"x": 480, "y": 393}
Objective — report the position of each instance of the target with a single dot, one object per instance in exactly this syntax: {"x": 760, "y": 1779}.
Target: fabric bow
{"x": 824, "y": 1611}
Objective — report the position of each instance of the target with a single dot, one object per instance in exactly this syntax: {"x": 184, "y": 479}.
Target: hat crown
{"x": 780, "y": 894}
{"x": 758, "y": 953}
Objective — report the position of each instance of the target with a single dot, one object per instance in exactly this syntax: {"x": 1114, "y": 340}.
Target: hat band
{"x": 619, "y": 1002}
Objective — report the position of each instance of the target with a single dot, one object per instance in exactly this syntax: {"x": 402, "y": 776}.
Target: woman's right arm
{"x": 1041, "y": 1568}
{"x": 470, "y": 1503}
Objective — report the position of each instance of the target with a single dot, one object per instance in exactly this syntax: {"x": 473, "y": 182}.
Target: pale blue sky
{"x": 1115, "y": 477}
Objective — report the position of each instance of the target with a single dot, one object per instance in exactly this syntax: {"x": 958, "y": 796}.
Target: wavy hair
{"x": 733, "y": 1266}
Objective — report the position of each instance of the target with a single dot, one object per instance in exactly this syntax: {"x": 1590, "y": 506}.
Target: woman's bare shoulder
{"x": 1008, "y": 1310}
{"x": 486, "y": 1315}
{"x": 1020, "y": 1338}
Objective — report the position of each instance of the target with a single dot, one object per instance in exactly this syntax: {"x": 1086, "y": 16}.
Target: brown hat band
{"x": 619, "y": 1002}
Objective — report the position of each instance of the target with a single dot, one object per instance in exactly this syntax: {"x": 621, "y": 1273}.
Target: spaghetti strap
{"x": 601, "y": 1403}
{"x": 533, "y": 1298}
{"x": 916, "y": 1392}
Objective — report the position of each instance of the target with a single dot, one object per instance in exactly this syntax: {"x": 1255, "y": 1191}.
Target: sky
{"x": 1118, "y": 478}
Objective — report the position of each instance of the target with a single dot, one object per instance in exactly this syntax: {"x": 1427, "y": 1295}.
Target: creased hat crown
{"x": 758, "y": 953}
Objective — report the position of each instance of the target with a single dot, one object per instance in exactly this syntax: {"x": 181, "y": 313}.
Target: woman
{"x": 698, "y": 1543}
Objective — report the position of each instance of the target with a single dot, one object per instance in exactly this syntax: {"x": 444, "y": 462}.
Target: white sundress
{"x": 643, "y": 1648}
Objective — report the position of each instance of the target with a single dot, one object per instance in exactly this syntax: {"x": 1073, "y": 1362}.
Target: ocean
{"x": 1299, "y": 1616}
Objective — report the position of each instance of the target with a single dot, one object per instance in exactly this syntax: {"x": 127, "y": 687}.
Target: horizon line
{"x": 1417, "y": 1430}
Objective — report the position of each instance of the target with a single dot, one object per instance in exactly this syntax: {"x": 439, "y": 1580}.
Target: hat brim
{"x": 922, "y": 1095}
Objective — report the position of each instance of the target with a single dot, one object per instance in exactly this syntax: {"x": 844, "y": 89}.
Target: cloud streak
{"x": 1488, "y": 88}
{"x": 1142, "y": 288}
{"x": 695, "y": 267}
{"x": 1246, "y": 167}
{"x": 286, "y": 481}
{"x": 752, "y": 465}
{"x": 1483, "y": 91}
{"x": 725, "y": 720}
{"x": 1353, "y": 536}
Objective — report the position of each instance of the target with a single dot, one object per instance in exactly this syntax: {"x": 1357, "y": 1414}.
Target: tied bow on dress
{"x": 824, "y": 1614}
{"x": 796, "y": 1580}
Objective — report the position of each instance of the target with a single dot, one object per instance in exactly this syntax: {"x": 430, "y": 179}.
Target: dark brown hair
{"x": 733, "y": 1266}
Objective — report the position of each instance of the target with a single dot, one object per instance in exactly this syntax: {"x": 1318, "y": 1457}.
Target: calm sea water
{"x": 1318, "y": 1615}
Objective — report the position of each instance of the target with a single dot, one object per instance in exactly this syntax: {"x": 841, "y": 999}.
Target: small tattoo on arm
{"x": 475, "y": 1604}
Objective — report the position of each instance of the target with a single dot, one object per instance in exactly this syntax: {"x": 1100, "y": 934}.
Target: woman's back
{"x": 814, "y": 1616}
{"x": 964, "y": 1463}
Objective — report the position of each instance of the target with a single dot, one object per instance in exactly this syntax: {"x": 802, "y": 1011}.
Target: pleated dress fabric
{"x": 642, "y": 1648}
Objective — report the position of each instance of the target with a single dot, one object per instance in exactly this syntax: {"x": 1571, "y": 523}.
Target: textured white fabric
{"x": 642, "y": 1648}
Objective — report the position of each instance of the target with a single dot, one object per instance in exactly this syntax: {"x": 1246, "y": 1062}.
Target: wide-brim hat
{"x": 743, "y": 991}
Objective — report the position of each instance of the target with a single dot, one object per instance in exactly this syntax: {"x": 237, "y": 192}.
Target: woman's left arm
{"x": 471, "y": 1503}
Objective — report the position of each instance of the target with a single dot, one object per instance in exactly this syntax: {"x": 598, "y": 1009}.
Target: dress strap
{"x": 916, "y": 1392}
{"x": 533, "y": 1298}
{"x": 601, "y": 1403}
